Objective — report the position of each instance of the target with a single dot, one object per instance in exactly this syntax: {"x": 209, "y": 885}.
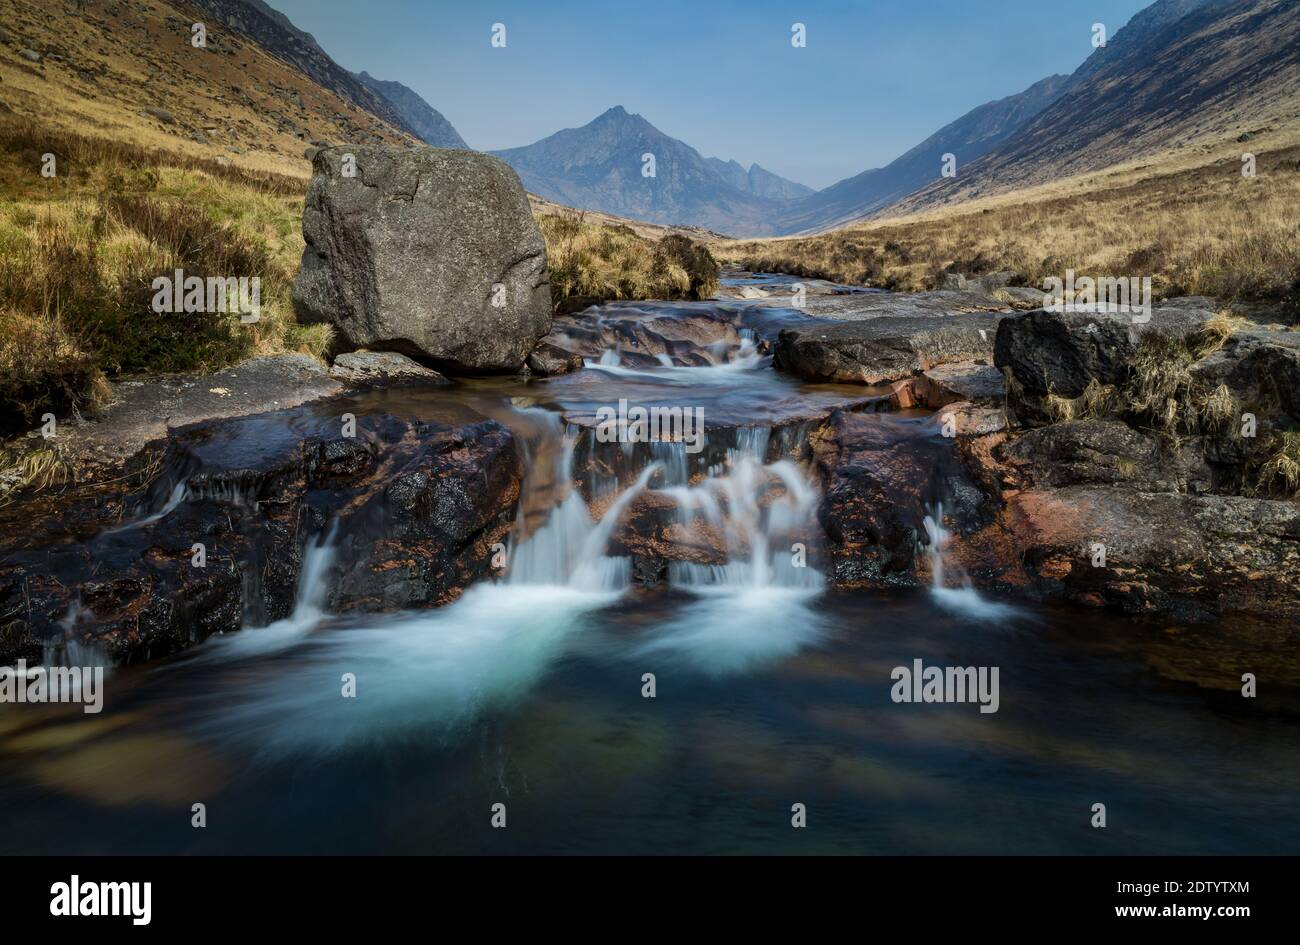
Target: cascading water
{"x": 569, "y": 549}
{"x": 308, "y": 610}
{"x": 963, "y": 600}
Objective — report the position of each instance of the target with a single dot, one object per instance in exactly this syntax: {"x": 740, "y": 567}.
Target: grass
{"x": 603, "y": 261}
{"x": 1162, "y": 395}
{"x": 79, "y": 252}
{"x": 1196, "y": 231}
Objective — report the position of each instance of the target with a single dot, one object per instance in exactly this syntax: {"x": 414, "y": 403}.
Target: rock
{"x": 415, "y": 508}
{"x": 164, "y": 116}
{"x": 1189, "y": 557}
{"x": 955, "y": 281}
{"x": 1260, "y": 368}
{"x": 310, "y": 153}
{"x": 880, "y": 350}
{"x": 378, "y": 367}
{"x": 1061, "y": 352}
{"x": 1081, "y": 452}
{"x": 974, "y": 381}
{"x": 878, "y": 477}
{"x": 30, "y": 55}
{"x": 147, "y": 410}
{"x": 405, "y": 257}
{"x": 550, "y": 359}
{"x": 857, "y": 306}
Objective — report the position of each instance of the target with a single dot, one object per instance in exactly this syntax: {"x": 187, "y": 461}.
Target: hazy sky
{"x": 876, "y": 77}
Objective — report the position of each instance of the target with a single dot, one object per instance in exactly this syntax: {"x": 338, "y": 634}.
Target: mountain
{"x": 969, "y": 137}
{"x": 599, "y": 167}
{"x": 757, "y": 180}
{"x": 1180, "y": 74}
{"x": 273, "y": 31}
{"x": 129, "y": 71}
{"x": 422, "y": 118}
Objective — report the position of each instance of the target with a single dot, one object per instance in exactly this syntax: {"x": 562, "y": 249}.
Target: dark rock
{"x": 878, "y": 478}
{"x": 416, "y": 508}
{"x": 405, "y": 256}
{"x": 1107, "y": 451}
{"x": 1186, "y": 556}
{"x": 1061, "y": 352}
{"x": 1260, "y": 368}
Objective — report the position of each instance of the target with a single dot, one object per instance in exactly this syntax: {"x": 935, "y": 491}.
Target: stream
{"x": 770, "y": 688}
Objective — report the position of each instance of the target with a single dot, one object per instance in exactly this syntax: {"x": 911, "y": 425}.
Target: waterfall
{"x": 569, "y": 549}
{"x": 962, "y": 600}
{"x": 760, "y": 538}
{"x": 174, "y": 499}
{"x": 308, "y": 609}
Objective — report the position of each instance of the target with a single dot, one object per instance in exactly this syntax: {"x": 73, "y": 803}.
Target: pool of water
{"x": 402, "y": 732}
{"x": 533, "y": 698}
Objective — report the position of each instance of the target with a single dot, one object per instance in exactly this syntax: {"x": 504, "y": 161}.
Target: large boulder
{"x": 428, "y": 252}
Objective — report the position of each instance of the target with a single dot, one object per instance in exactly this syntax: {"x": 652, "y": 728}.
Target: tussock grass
{"x": 1280, "y": 473}
{"x": 602, "y": 261}
{"x": 79, "y": 252}
{"x": 1196, "y": 231}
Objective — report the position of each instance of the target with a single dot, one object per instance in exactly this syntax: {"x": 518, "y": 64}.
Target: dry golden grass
{"x": 600, "y": 261}
{"x": 231, "y": 100}
{"x": 79, "y": 251}
{"x": 1201, "y": 230}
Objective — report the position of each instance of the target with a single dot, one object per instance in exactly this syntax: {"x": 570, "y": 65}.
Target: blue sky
{"x": 876, "y": 77}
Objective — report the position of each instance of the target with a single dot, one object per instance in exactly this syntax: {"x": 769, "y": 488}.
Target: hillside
{"x": 968, "y": 138}
{"x": 426, "y": 121}
{"x": 130, "y": 73}
{"x": 1181, "y": 75}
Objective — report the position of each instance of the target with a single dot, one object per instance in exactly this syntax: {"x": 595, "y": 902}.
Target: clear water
{"x": 770, "y": 690}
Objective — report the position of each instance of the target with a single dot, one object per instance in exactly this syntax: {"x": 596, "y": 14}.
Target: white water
{"x": 174, "y": 499}
{"x": 308, "y": 610}
{"x": 963, "y": 599}
{"x": 733, "y": 361}
{"x": 760, "y": 537}
{"x": 569, "y": 550}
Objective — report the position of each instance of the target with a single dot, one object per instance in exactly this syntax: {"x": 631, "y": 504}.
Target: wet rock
{"x": 379, "y": 367}
{"x": 880, "y": 350}
{"x": 1107, "y": 451}
{"x": 878, "y": 477}
{"x": 415, "y": 509}
{"x": 1188, "y": 556}
{"x": 550, "y": 359}
{"x": 428, "y": 252}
